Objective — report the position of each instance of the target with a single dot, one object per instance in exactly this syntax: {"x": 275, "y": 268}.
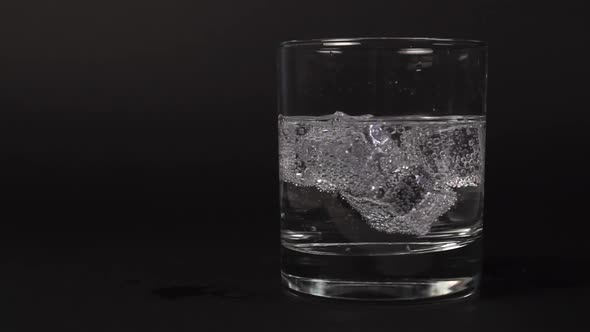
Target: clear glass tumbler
{"x": 381, "y": 153}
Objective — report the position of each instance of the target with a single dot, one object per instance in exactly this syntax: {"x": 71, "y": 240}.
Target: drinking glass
{"x": 381, "y": 163}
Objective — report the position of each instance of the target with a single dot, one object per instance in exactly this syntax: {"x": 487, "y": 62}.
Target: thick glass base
{"x": 384, "y": 271}
{"x": 407, "y": 290}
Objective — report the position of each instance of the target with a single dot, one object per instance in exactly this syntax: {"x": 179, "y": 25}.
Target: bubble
{"x": 380, "y": 193}
{"x": 300, "y": 166}
{"x": 377, "y": 134}
{"x": 301, "y": 131}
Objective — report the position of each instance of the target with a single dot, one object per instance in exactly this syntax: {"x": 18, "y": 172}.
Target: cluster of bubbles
{"x": 400, "y": 175}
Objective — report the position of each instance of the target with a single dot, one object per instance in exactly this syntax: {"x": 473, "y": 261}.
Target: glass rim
{"x": 396, "y": 42}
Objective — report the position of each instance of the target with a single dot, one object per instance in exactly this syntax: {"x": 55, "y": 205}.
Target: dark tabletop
{"x": 172, "y": 266}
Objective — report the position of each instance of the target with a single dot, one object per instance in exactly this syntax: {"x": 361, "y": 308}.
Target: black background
{"x": 138, "y": 159}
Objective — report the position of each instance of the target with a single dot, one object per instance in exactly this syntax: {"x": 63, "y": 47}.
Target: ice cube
{"x": 451, "y": 152}
{"x": 406, "y": 202}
